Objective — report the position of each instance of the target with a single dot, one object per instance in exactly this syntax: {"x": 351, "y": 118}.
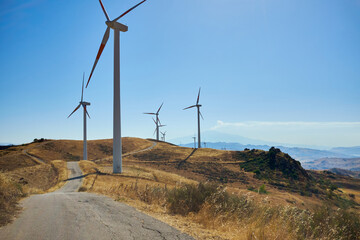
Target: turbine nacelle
{"x": 85, "y": 103}
{"x": 117, "y": 26}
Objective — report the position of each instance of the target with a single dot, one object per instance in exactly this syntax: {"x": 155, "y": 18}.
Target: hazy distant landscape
{"x": 304, "y": 154}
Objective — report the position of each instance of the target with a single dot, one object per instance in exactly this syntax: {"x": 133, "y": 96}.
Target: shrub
{"x": 262, "y": 189}
{"x": 215, "y": 206}
{"x": 189, "y": 198}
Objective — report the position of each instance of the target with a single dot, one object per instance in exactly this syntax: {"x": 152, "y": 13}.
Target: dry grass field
{"x": 25, "y": 181}
{"x": 150, "y": 177}
{"x": 207, "y": 193}
{"x": 225, "y": 214}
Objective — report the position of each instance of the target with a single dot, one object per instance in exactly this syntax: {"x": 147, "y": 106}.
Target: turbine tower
{"x": 117, "y": 27}
{"x": 84, "y": 104}
{"x": 157, "y": 122}
{"x": 163, "y": 135}
{"x": 198, "y": 116}
{"x": 158, "y": 126}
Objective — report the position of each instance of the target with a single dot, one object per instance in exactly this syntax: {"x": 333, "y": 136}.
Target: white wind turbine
{"x": 163, "y": 135}
{"x": 198, "y": 116}
{"x": 158, "y": 126}
{"x": 157, "y": 122}
{"x": 117, "y": 27}
{"x": 84, "y": 104}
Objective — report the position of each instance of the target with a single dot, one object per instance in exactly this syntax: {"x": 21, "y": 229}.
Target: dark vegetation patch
{"x": 39, "y": 140}
{"x": 157, "y": 155}
{"x": 2, "y": 147}
{"x": 214, "y": 171}
{"x": 267, "y": 165}
{"x": 106, "y": 149}
{"x": 71, "y": 157}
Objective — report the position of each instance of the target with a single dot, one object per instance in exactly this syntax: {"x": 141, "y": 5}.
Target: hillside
{"x": 25, "y": 155}
{"x": 247, "y": 169}
{"x": 156, "y": 174}
{"x": 339, "y": 171}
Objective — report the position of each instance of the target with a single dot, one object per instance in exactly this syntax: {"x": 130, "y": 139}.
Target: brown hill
{"x": 247, "y": 169}
{"x": 261, "y": 182}
{"x": 69, "y": 150}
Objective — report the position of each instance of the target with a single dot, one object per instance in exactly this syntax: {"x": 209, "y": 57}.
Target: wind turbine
{"x": 198, "y": 115}
{"x": 157, "y": 121}
{"x": 163, "y": 135}
{"x": 117, "y": 27}
{"x": 158, "y": 126}
{"x": 84, "y": 104}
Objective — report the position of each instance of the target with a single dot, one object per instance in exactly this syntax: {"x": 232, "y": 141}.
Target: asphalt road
{"x": 68, "y": 214}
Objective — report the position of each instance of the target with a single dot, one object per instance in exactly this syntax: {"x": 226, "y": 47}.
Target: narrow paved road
{"x": 68, "y": 214}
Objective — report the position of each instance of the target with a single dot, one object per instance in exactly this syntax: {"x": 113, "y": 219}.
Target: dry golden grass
{"x": 143, "y": 188}
{"x": 10, "y": 193}
{"x": 268, "y": 217}
{"x": 40, "y": 178}
{"x": 71, "y": 150}
{"x": 62, "y": 173}
{"x": 149, "y": 175}
{"x": 22, "y": 182}
{"x": 131, "y": 175}
{"x": 13, "y": 161}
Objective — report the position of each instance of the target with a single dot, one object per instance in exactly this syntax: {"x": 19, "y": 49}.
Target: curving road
{"x": 68, "y": 214}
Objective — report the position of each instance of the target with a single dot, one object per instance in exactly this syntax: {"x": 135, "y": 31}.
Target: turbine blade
{"x": 102, "y": 46}
{"x": 150, "y": 113}
{"x": 86, "y": 111}
{"x": 189, "y": 107}
{"x": 197, "y": 102}
{"x": 160, "y": 108}
{"x": 75, "y": 110}
{"x": 155, "y": 131}
{"x": 154, "y": 121}
{"x": 103, "y": 8}
{"x": 128, "y": 11}
{"x": 82, "y": 90}
{"x": 201, "y": 115}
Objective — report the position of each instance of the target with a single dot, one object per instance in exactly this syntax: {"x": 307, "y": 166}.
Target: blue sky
{"x": 276, "y": 62}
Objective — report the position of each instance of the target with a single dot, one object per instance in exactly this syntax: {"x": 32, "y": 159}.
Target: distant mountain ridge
{"x": 301, "y": 154}
{"x": 215, "y": 136}
{"x": 352, "y": 164}
{"x": 354, "y": 151}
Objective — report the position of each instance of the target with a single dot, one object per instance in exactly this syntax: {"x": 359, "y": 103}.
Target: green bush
{"x": 262, "y": 189}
